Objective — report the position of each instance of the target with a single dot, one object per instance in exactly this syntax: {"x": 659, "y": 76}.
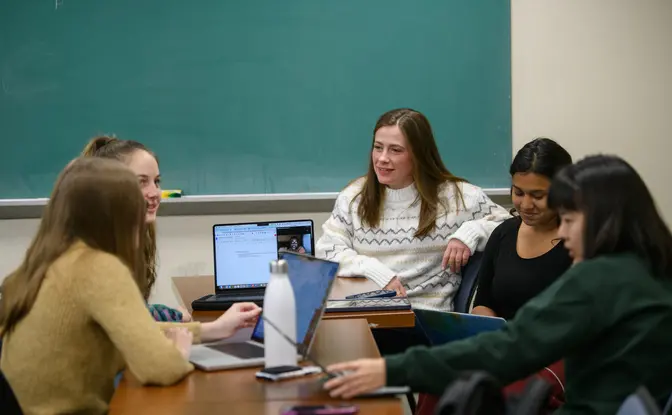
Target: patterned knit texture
{"x": 161, "y": 312}
{"x": 391, "y": 249}
{"x": 89, "y": 322}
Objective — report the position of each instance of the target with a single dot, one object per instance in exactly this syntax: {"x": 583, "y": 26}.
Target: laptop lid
{"x": 442, "y": 327}
{"x": 242, "y": 251}
{"x": 311, "y": 280}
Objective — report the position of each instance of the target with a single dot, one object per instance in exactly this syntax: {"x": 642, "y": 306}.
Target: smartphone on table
{"x": 320, "y": 410}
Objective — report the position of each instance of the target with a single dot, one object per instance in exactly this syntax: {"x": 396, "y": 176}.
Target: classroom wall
{"x": 593, "y": 74}
{"x": 185, "y": 245}
{"x": 597, "y": 76}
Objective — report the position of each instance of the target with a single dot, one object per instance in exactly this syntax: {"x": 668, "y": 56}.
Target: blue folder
{"x": 442, "y": 327}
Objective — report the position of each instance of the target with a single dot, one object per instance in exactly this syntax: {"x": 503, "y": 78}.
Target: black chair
{"x": 8, "y": 403}
{"x": 532, "y": 400}
{"x": 639, "y": 403}
{"x": 465, "y": 294}
{"x": 473, "y": 393}
{"x": 667, "y": 407}
{"x": 462, "y": 300}
{"x": 478, "y": 393}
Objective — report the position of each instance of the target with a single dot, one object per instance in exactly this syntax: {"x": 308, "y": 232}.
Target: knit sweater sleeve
{"x": 107, "y": 292}
{"x": 483, "y": 217}
{"x": 336, "y": 244}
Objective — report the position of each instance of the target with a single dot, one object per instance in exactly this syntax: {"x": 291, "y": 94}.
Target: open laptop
{"x": 242, "y": 252}
{"x": 442, "y": 327}
{"x": 311, "y": 280}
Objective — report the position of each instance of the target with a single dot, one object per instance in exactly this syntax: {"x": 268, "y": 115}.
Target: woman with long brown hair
{"x": 144, "y": 163}
{"x": 409, "y": 224}
{"x": 72, "y": 314}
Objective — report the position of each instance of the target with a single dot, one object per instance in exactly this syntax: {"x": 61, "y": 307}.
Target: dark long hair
{"x": 541, "y": 156}
{"x": 620, "y": 214}
{"x": 429, "y": 172}
{"x": 114, "y": 148}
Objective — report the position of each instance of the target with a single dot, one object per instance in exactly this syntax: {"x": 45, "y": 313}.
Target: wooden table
{"x": 239, "y": 392}
{"x": 189, "y": 289}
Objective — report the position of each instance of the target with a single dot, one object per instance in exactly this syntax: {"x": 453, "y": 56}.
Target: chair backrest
{"x": 534, "y": 399}
{"x": 462, "y": 300}
{"x": 473, "y": 393}
{"x": 8, "y": 403}
{"x": 639, "y": 403}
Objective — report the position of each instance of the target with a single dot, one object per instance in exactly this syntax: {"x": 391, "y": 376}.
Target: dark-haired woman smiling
{"x": 524, "y": 255}
{"x": 609, "y": 316}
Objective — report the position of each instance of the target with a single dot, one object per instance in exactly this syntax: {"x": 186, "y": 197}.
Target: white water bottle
{"x": 280, "y": 309}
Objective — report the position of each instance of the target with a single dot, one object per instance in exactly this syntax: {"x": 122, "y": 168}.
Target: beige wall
{"x": 597, "y": 76}
{"x": 593, "y": 74}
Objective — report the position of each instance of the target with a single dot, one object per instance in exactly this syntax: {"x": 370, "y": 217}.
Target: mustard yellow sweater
{"x": 89, "y": 322}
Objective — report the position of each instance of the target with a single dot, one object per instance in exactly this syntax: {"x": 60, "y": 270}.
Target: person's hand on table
{"x": 239, "y": 316}
{"x": 361, "y": 376}
{"x": 395, "y": 285}
{"x": 182, "y": 339}
{"x": 186, "y": 317}
{"x": 456, "y": 256}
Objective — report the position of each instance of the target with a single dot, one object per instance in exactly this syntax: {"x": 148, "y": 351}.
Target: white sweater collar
{"x": 406, "y": 194}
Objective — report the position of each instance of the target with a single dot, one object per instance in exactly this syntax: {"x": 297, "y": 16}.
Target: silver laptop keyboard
{"x": 239, "y": 350}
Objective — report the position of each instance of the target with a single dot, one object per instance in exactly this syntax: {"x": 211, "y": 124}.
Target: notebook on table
{"x": 442, "y": 327}
{"x": 368, "y": 304}
{"x": 311, "y": 280}
{"x": 242, "y": 252}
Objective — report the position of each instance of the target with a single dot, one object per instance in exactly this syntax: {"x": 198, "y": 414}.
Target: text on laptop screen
{"x": 311, "y": 280}
{"x": 243, "y": 252}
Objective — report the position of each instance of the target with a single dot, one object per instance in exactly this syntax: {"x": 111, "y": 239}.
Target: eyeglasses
{"x": 303, "y": 350}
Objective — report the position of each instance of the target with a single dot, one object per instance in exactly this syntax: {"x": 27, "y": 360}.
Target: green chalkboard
{"x": 256, "y": 96}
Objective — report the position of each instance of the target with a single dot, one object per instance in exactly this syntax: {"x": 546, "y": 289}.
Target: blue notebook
{"x": 442, "y": 327}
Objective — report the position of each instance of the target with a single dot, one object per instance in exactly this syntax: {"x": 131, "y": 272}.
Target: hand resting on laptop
{"x": 238, "y": 316}
{"x": 182, "y": 339}
{"x": 356, "y": 378}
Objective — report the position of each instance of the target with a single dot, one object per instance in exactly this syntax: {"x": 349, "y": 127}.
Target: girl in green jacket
{"x": 609, "y": 316}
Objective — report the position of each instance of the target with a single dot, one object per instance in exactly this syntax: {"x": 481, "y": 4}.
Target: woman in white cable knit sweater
{"x": 409, "y": 224}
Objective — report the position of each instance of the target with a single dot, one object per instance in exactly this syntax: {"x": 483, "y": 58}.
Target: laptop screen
{"x": 243, "y": 251}
{"x": 311, "y": 280}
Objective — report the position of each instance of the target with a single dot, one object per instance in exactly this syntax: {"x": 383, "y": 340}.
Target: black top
{"x": 506, "y": 281}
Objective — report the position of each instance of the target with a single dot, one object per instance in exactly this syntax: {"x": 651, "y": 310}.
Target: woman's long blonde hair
{"x": 114, "y": 148}
{"x": 429, "y": 172}
{"x": 95, "y": 201}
